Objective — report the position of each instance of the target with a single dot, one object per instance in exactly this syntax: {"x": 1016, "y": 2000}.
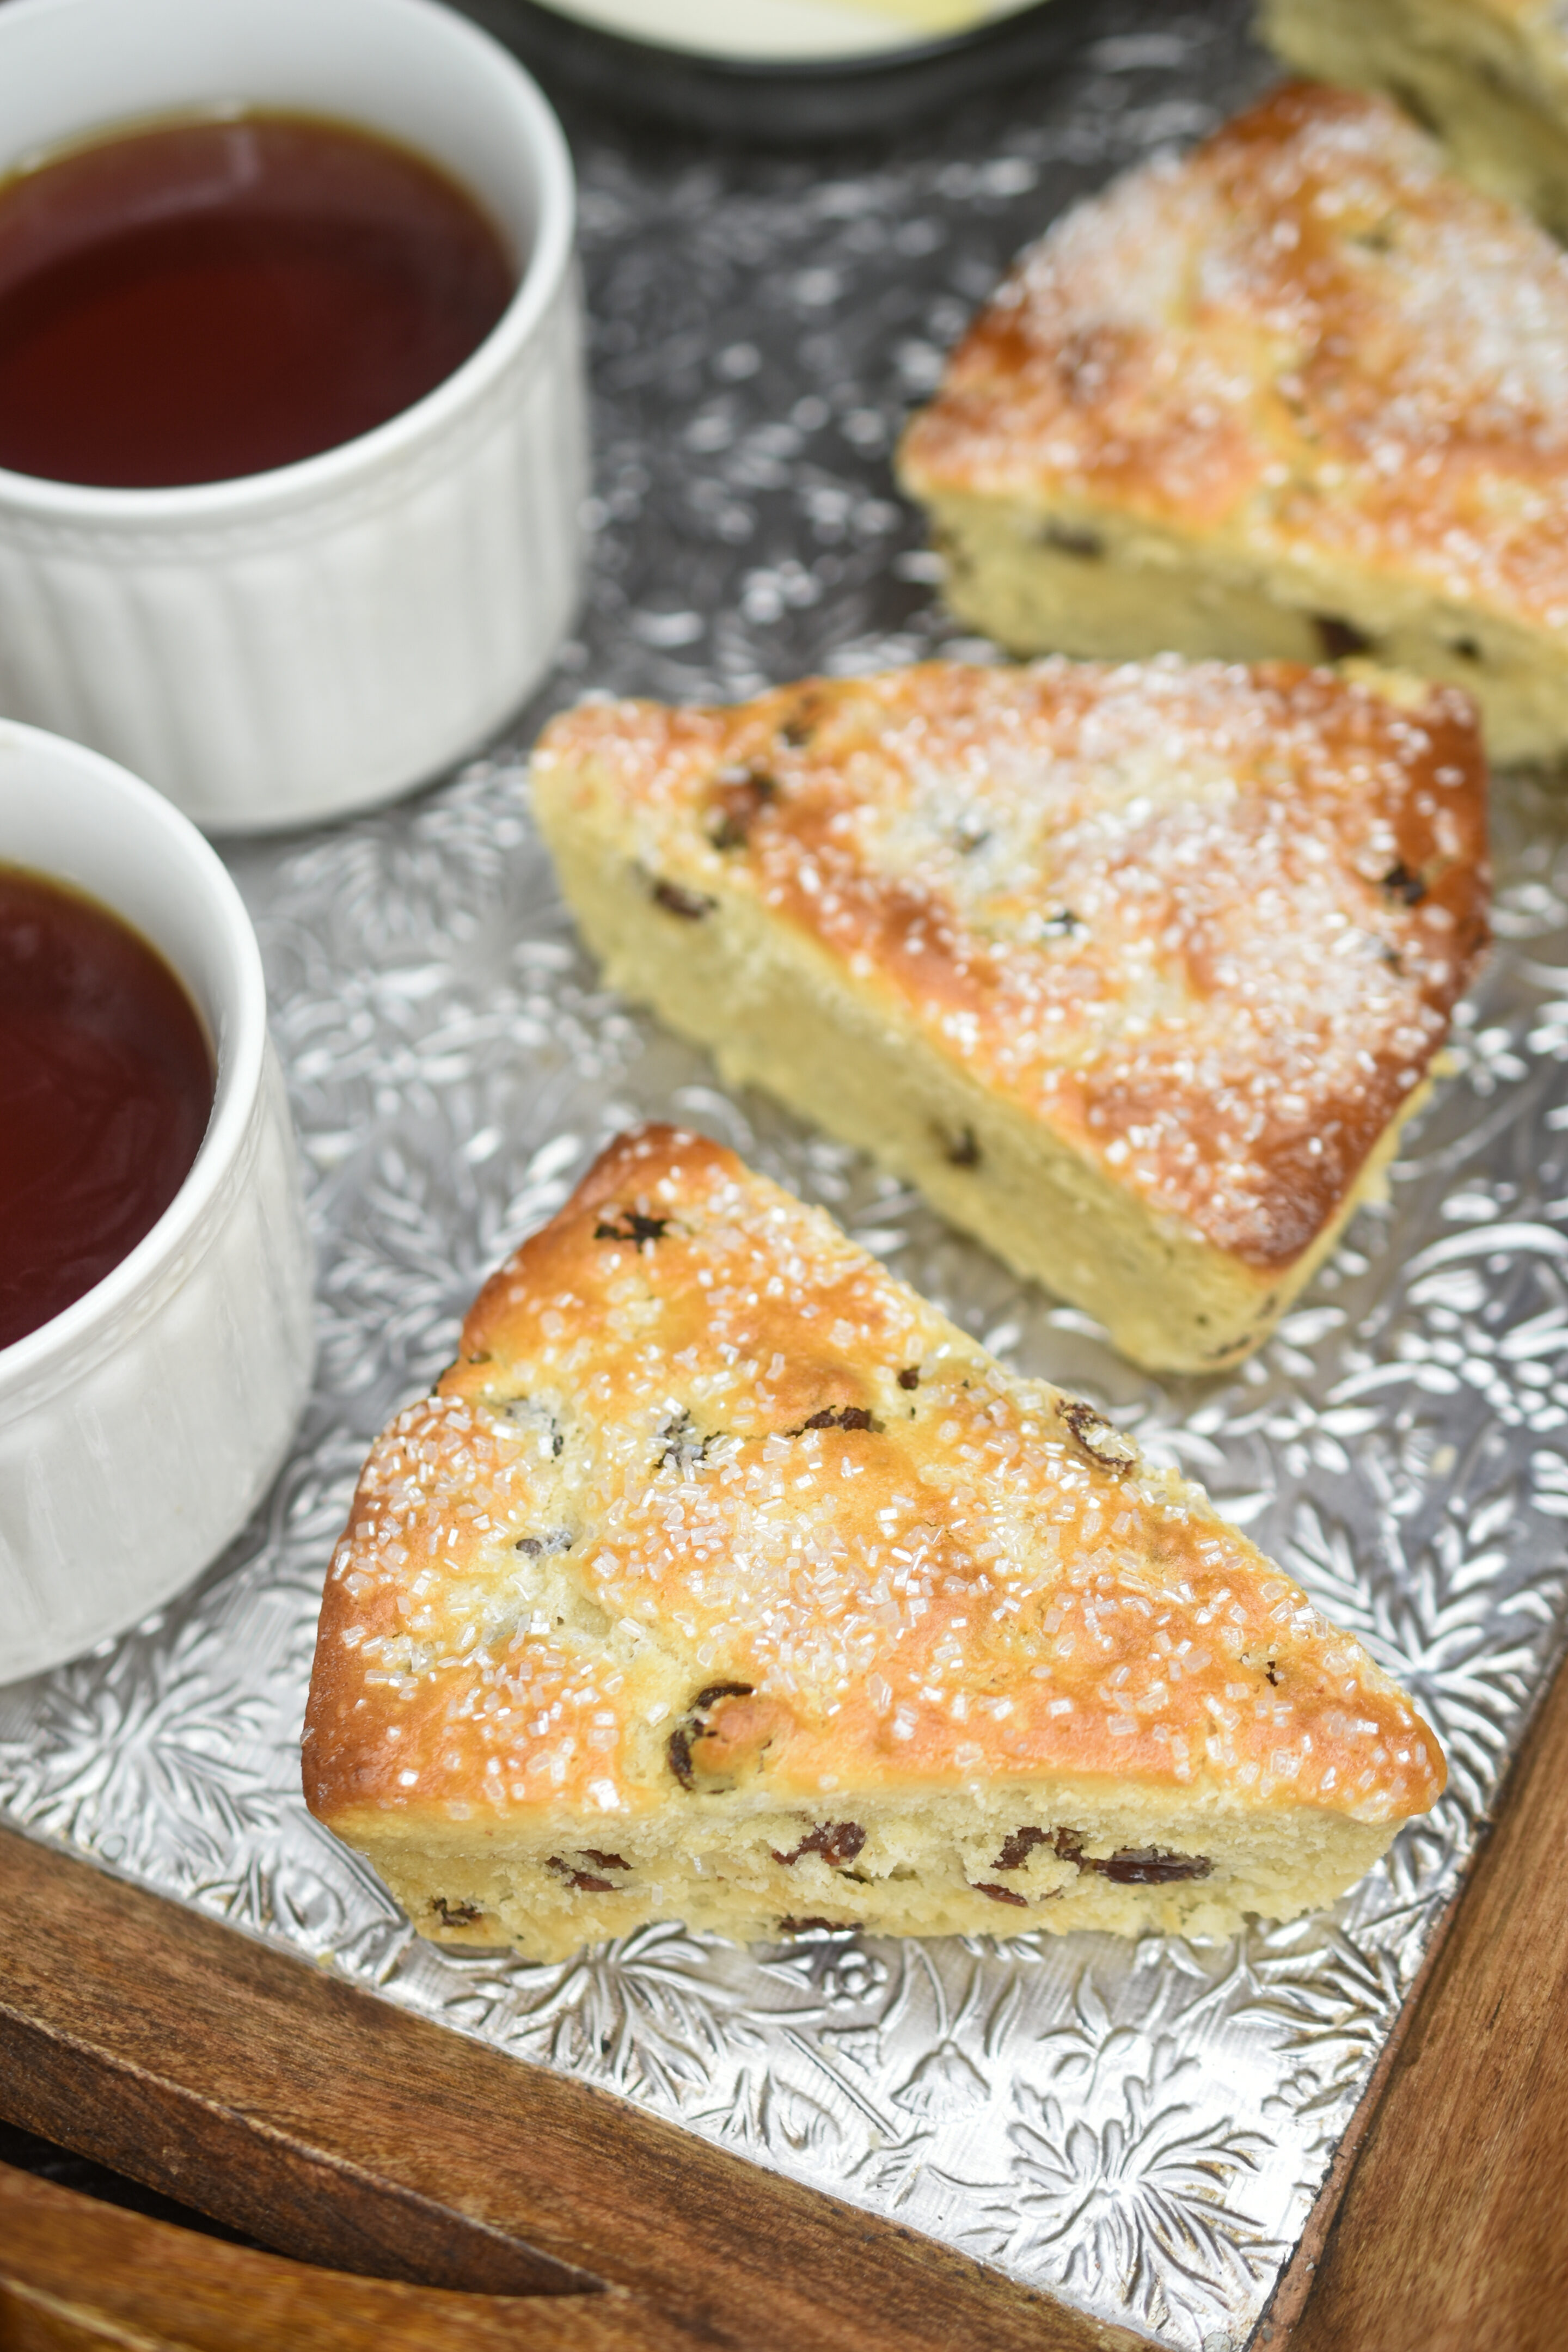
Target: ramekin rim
{"x": 544, "y": 272}
{"x": 239, "y": 1078}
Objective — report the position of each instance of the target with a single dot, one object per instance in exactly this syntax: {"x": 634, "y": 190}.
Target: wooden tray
{"x": 458, "y": 2198}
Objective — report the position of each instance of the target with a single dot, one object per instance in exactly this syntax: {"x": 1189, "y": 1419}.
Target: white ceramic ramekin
{"x": 284, "y": 648}
{"x": 139, "y": 1428}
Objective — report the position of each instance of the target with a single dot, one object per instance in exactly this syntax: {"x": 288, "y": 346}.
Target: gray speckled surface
{"x": 1141, "y": 2129}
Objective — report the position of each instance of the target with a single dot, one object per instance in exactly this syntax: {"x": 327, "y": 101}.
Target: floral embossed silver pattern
{"x": 1140, "y": 2128}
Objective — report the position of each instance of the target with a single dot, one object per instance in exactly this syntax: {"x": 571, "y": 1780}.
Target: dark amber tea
{"x": 211, "y": 298}
{"x": 106, "y": 1085}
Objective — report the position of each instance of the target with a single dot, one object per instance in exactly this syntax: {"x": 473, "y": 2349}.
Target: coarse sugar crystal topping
{"x": 1310, "y": 335}
{"x": 787, "y": 1517}
{"x": 1208, "y": 923}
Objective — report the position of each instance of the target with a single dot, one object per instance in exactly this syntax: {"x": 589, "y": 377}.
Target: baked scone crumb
{"x": 1297, "y": 394}
{"x": 1491, "y": 76}
{"x": 1133, "y": 971}
{"x": 724, "y": 1580}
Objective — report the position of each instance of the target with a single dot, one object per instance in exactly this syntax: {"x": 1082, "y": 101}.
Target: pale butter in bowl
{"x": 785, "y": 71}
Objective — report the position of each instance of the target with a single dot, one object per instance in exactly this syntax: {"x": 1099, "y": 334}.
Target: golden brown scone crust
{"x": 1308, "y": 334}
{"x": 864, "y": 1555}
{"x": 1207, "y": 924}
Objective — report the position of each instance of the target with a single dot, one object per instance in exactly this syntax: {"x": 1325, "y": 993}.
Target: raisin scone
{"x": 1300, "y": 395}
{"x": 1490, "y": 76}
{"x": 724, "y": 1580}
{"x": 1134, "y": 971}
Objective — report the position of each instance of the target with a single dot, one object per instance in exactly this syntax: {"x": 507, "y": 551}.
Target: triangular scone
{"x": 724, "y": 1580}
{"x": 1300, "y": 395}
{"x": 1133, "y": 971}
{"x": 1491, "y": 75}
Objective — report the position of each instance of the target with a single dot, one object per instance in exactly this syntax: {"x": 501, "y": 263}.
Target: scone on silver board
{"x": 1134, "y": 971}
{"x": 724, "y": 1580}
{"x": 1299, "y": 396}
{"x": 1490, "y": 76}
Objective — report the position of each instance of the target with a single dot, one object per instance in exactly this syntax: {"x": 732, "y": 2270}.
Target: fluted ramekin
{"x": 139, "y": 1427}
{"x": 293, "y": 644}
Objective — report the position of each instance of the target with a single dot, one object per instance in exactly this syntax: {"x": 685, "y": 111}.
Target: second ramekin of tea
{"x": 155, "y": 1269}
{"x": 292, "y": 424}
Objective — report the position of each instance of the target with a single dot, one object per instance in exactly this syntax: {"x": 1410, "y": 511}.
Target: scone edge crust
{"x": 820, "y": 931}
{"x": 419, "y": 1748}
{"x": 1293, "y": 390}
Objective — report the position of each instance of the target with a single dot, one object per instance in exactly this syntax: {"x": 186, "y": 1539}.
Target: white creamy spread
{"x": 796, "y": 31}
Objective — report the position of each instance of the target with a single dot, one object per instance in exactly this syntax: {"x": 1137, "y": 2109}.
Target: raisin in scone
{"x": 1134, "y": 971}
{"x": 1491, "y": 76}
{"x": 1299, "y": 395}
{"x": 724, "y": 1580}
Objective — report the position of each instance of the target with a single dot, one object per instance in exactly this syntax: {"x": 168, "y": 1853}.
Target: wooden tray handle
{"x": 347, "y": 2132}
{"x": 80, "y": 2276}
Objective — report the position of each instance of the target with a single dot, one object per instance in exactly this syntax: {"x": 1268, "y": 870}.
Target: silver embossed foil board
{"x": 1139, "y": 2129}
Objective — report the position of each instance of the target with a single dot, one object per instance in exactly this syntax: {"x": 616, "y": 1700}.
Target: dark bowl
{"x": 784, "y": 104}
